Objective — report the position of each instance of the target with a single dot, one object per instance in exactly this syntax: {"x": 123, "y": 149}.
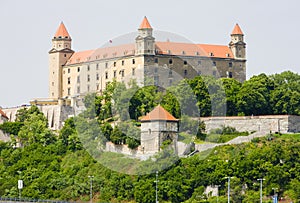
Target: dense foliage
{"x": 56, "y": 165}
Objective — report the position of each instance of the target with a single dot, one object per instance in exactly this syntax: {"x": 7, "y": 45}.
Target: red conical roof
{"x": 62, "y": 32}
{"x": 237, "y": 30}
{"x": 145, "y": 24}
{"x": 3, "y": 114}
{"x": 159, "y": 113}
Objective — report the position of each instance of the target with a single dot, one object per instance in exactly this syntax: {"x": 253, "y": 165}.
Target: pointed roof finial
{"x": 237, "y": 30}
{"x": 145, "y": 24}
{"x": 62, "y": 32}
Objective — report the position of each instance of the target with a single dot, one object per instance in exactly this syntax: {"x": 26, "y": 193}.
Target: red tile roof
{"x": 189, "y": 49}
{"x": 80, "y": 57}
{"x": 158, "y": 113}
{"x": 237, "y": 30}
{"x": 3, "y": 114}
{"x": 145, "y": 24}
{"x": 62, "y": 32}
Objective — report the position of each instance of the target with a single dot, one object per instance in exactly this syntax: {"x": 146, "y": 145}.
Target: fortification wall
{"x": 274, "y": 123}
{"x": 55, "y": 114}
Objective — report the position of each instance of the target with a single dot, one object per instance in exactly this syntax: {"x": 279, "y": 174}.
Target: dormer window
{"x": 169, "y": 51}
{"x": 197, "y": 53}
{"x": 227, "y": 55}
{"x": 183, "y": 52}
{"x": 211, "y": 54}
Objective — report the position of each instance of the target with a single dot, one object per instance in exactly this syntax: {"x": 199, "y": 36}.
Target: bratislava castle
{"x": 76, "y": 73}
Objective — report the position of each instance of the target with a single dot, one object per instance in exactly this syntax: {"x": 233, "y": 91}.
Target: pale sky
{"x": 271, "y": 28}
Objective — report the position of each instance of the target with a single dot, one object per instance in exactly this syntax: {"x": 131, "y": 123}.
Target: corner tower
{"x": 144, "y": 42}
{"x": 58, "y": 56}
{"x": 237, "y": 44}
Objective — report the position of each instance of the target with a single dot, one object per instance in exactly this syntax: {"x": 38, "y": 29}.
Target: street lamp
{"x": 275, "y": 198}
{"x": 156, "y": 181}
{"x": 260, "y": 179}
{"x": 91, "y": 188}
{"x": 228, "y": 195}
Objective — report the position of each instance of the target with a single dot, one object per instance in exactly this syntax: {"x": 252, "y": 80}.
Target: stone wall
{"x": 274, "y": 123}
{"x": 55, "y": 114}
{"x": 123, "y": 149}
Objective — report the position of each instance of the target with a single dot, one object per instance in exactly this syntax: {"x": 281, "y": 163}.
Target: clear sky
{"x": 271, "y": 28}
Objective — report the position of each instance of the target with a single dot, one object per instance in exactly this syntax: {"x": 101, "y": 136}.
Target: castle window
{"x": 170, "y": 73}
{"x": 185, "y": 62}
{"x": 78, "y": 69}
{"x": 199, "y": 62}
{"x": 122, "y": 73}
{"x": 78, "y": 89}
{"x": 122, "y": 63}
{"x": 230, "y": 64}
{"x": 88, "y": 68}
{"x": 133, "y": 61}
{"x": 97, "y": 66}
{"x": 88, "y": 88}
{"x": 97, "y": 86}
{"x": 106, "y": 75}
{"x": 69, "y": 70}
{"x": 170, "y": 61}
{"x": 69, "y": 91}
{"x": 214, "y": 63}
{"x": 78, "y": 79}
{"x": 156, "y": 60}
{"x": 88, "y": 78}
{"x": 115, "y": 63}
{"x": 69, "y": 80}
{"x": 229, "y": 74}
{"x": 149, "y": 131}
{"x": 133, "y": 71}
{"x": 65, "y": 55}
{"x": 115, "y": 73}
{"x": 156, "y": 80}
{"x": 106, "y": 65}
{"x": 185, "y": 72}
{"x": 97, "y": 76}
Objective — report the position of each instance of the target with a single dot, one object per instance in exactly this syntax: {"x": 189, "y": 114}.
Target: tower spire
{"x": 237, "y": 30}
{"x": 145, "y": 24}
{"x": 62, "y": 32}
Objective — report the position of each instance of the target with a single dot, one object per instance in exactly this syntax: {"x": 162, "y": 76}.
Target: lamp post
{"x": 91, "y": 188}
{"x": 260, "y": 179}
{"x": 156, "y": 181}
{"x": 228, "y": 195}
{"x": 275, "y": 195}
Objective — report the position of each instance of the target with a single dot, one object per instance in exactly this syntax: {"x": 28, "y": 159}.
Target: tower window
{"x": 65, "y": 55}
{"x": 88, "y": 78}
{"x": 106, "y": 75}
{"x": 122, "y": 63}
{"x": 78, "y": 79}
{"x": 97, "y": 66}
{"x": 115, "y": 63}
{"x": 170, "y": 61}
{"x": 170, "y": 73}
{"x": 170, "y": 82}
{"x": 230, "y": 64}
{"x": 69, "y": 70}
{"x": 97, "y": 76}
{"x": 88, "y": 88}
{"x": 88, "y": 68}
{"x": 115, "y": 73}
{"x": 214, "y": 63}
{"x": 78, "y": 89}
{"x": 78, "y": 69}
{"x": 156, "y": 80}
{"x": 106, "y": 65}
{"x": 69, "y": 80}
{"x": 133, "y": 71}
{"x": 199, "y": 62}
{"x": 229, "y": 74}
{"x": 133, "y": 61}
{"x": 69, "y": 91}
{"x": 185, "y": 72}
{"x": 156, "y": 60}
{"x": 185, "y": 62}
{"x": 122, "y": 73}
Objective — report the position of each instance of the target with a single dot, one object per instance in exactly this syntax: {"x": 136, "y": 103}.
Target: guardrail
{"x": 28, "y": 200}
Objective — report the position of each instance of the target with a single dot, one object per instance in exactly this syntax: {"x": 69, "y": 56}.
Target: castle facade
{"x": 72, "y": 74}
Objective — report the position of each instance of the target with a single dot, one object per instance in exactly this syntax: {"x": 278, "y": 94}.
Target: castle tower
{"x": 144, "y": 42}
{"x": 156, "y": 127}
{"x": 237, "y": 44}
{"x": 59, "y": 54}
